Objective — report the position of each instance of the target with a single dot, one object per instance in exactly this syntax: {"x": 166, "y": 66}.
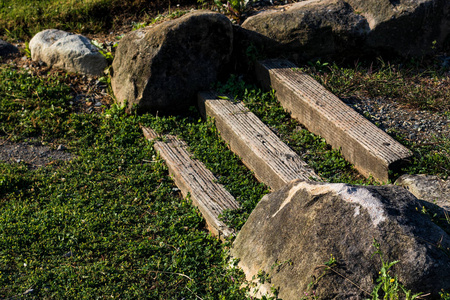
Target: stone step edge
{"x": 272, "y": 161}
{"x": 372, "y": 151}
{"x": 194, "y": 179}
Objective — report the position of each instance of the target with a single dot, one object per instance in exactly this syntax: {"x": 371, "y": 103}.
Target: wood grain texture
{"x": 192, "y": 178}
{"x": 273, "y": 162}
{"x": 371, "y": 150}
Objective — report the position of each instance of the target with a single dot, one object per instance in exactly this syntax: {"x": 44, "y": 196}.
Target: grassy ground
{"x": 21, "y": 19}
{"x": 415, "y": 84}
{"x": 111, "y": 223}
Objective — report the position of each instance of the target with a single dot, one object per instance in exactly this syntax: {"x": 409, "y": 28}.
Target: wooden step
{"x": 273, "y": 162}
{"x": 192, "y": 178}
{"x": 371, "y": 150}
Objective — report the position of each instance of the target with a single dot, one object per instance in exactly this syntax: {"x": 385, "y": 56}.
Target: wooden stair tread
{"x": 371, "y": 150}
{"x": 273, "y": 162}
{"x": 193, "y": 178}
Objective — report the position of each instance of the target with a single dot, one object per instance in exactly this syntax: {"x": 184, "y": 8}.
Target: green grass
{"x": 429, "y": 158}
{"x": 107, "y": 224}
{"x": 22, "y": 19}
{"x": 33, "y": 106}
{"x": 423, "y": 86}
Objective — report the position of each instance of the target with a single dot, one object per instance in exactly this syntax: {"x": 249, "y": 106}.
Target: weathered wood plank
{"x": 273, "y": 162}
{"x": 371, "y": 150}
{"x": 192, "y": 177}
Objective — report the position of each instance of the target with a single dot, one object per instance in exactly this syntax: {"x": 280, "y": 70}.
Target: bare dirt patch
{"x": 34, "y": 154}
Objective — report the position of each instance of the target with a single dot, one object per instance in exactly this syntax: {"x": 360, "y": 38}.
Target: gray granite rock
{"x": 427, "y": 187}
{"x": 406, "y": 27}
{"x": 292, "y": 232}
{"x": 71, "y": 52}
{"x": 162, "y": 68}
{"x": 307, "y": 29}
{"x": 318, "y": 28}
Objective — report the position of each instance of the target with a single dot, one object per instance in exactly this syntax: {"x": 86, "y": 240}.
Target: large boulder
{"x": 308, "y": 29}
{"x": 427, "y": 187}
{"x": 317, "y": 28}
{"x": 292, "y": 232}
{"x": 71, "y": 52}
{"x": 162, "y": 68}
{"x": 7, "y": 49}
{"x": 407, "y": 27}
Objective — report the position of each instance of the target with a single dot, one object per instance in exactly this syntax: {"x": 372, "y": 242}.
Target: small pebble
{"x": 29, "y": 291}
{"x": 68, "y": 254}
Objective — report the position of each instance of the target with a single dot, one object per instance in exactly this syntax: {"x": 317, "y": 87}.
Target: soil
{"x": 34, "y": 154}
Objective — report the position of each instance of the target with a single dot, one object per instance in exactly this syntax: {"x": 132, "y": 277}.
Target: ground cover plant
{"x": 110, "y": 223}
{"x": 28, "y": 101}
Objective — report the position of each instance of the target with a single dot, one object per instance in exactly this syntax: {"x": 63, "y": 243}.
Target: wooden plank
{"x": 273, "y": 162}
{"x": 371, "y": 150}
{"x": 192, "y": 177}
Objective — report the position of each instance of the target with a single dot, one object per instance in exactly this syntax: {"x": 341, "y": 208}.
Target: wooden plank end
{"x": 149, "y": 133}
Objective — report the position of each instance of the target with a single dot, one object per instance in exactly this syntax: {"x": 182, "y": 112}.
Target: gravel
{"x": 417, "y": 126}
